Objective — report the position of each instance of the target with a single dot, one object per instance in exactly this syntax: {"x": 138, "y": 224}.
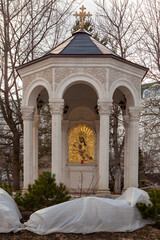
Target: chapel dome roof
{"x": 81, "y": 42}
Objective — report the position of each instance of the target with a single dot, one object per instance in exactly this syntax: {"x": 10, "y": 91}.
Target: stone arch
{"x": 133, "y": 97}
{"x": 31, "y": 93}
{"x": 82, "y": 112}
{"x": 80, "y": 78}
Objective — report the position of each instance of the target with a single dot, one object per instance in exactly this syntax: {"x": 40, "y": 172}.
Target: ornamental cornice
{"x": 57, "y": 107}
{"x": 115, "y": 75}
{"x": 27, "y": 113}
{"x": 63, "y": 73}
{"x": 134, "y": 113}
{"x": 104, "y": 108}
{"x": 45, "y": 74}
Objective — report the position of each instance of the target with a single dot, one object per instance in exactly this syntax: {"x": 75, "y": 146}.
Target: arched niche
{"x": 80, "y": 101}
{"x": 36, "y": 88}
{"x": 121, "y": 88}
{"x": 80, "y": 79}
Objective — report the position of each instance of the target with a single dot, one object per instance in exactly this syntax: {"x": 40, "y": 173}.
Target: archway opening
{"x": 44, "y": 132}
{"x": 80, "y": 95}
{"x": 80, "y": 138}
{"x": 122, "y": 100}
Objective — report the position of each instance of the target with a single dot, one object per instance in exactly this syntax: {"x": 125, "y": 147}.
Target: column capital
{"x": 104, "y": 107}
{"x": 56, "y": 106}
{"x": 27, "y": 112}
{"x": 134, "y": 113}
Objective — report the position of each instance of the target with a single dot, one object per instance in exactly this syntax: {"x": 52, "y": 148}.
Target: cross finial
{"x": 82, "y": 15}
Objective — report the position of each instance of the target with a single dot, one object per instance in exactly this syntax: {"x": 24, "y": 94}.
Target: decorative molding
{"x": 115, "y": 75}
{"x": 27, "y": 113}
{"x": 134, "y": 113}
{"x": 63, "y": 73}
{"x": 57, "y": 107}
{"x": 98, "y": 73}
{"x": 45, "y": 74}
{"x": 104, "y": 108}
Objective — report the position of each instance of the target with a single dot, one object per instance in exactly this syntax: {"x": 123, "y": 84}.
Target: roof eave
{"x": 51, "y": 55}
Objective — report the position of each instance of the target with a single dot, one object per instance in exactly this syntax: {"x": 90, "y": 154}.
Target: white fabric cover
{"x": 91, "y": 214}
{"x": 9, "y": 213}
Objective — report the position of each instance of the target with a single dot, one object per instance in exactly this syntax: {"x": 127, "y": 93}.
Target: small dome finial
{"x": 82, "y": 15}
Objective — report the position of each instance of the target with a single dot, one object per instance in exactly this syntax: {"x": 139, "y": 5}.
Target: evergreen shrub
{"x": 43, "y": 193}
{"x": 152, "y": 211}
{"x": 6, "y": 187}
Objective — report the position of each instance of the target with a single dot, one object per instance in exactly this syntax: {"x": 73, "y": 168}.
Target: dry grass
{"x": 148, "y": 232}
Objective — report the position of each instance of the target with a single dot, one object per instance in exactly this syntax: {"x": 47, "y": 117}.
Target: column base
{"x": 24, "y": 190}
{"x": 103, "y": 193}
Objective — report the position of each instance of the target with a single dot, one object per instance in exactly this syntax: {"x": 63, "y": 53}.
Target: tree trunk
{"x": 118, "y": 180}
{"x": 16, "y": 167}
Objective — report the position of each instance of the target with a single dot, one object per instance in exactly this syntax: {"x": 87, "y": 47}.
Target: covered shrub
{"x": 43, "y": 193}
{"x": 152, "y": 211}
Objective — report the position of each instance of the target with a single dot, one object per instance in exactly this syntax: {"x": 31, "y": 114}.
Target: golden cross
{"x": 82, "y": 15}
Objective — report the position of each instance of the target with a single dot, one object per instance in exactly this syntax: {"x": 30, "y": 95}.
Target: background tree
{"x": 131, "y": 29}
{"x": 118, "y": 26}
{"x": 117, "y": 135}
{"x": 148, "y": 48}
{"x": 44, "y": 140}
{"x": 150, "y": 133}
{"x": 89, "y": 26}
{"x": 148, "y": 51}
{"x": 26, "y": 27}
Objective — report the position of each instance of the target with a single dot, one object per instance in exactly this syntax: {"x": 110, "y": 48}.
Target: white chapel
{"x": 80, "y": 80}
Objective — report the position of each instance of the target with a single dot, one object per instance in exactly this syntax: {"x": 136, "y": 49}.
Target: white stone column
{"x": 104, "y": 111}
{"x": 27, "y": 115}
{"x": 126, "y": 153}
{"x": 57, "y": 106}
{"x": 35, "y": 145}
{"x": 65, "y": 124}
{"x": 134, "y": 114}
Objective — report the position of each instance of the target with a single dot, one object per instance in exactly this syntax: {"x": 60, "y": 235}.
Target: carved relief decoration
{"x": 104, "y": 108}
{"x": 45, "y": 74}
{"x": 114, "y": 75}
{"x": 98, "y": 73}
{"x": 135, "y": 113}
{"x": 56, "y": 107}
{"x": 27, "y": 113}
{"x": 63, "y": 73}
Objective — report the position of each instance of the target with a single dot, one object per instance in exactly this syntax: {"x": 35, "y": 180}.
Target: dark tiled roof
{"x": 81, "y": 42}
{"x": 81, "y": 45}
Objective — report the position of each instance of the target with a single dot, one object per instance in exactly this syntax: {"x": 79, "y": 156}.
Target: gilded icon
{"x": 81, "y": 145}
